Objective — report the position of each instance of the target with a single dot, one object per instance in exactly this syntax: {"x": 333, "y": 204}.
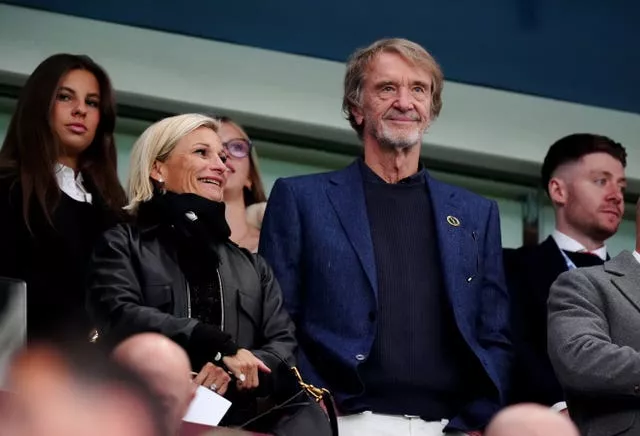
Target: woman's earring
{"x": 163, "y": 190}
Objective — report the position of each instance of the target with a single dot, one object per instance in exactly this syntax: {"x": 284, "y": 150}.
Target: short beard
{"x": 394, "y": 140}
{"x": 389, "y": 139}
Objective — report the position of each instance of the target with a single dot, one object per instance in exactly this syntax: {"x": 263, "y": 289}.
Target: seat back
{"x": 13, "y": 321}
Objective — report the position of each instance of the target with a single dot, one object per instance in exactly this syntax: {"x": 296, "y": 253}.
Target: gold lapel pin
{"x": 453, "y": 221}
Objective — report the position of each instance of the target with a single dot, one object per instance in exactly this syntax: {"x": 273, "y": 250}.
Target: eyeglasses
{"x": 238, "y": 148}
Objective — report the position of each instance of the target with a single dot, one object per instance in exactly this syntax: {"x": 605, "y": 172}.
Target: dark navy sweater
{"x": 419, "y": 363}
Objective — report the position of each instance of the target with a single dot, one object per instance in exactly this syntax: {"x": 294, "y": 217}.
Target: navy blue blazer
{"x": 316, "y": 236}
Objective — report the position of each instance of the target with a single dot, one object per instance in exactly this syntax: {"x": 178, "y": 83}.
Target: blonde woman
{"x": 174, "y": 270}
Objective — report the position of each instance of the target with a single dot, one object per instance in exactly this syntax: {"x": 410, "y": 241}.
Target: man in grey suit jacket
{"x": 594, "y": 344}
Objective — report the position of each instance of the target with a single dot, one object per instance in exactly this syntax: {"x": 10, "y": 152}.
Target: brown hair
{"x": 573, "y": 147}
{"x": 360, "y": 60}
{"x": 30, "y": 149}
{"x": 256, "y": 193}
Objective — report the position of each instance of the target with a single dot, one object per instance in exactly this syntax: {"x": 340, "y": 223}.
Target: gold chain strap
{"x": 316, "y": 393}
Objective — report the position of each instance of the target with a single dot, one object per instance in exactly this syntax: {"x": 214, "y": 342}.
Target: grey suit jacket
{"x": 594, "y": 345}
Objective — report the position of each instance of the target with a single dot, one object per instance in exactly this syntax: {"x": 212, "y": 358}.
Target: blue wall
{"x": 584, "y": 51}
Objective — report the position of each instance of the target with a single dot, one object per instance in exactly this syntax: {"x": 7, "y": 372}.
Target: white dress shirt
{"x": 567, "y": 243}
{"x": 71, "y": 184}
{"x": 636, "y": 255}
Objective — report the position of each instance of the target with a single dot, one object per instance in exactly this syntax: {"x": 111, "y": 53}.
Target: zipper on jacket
{"x": 221, "y": 300}
{"x": 188, "y": 299}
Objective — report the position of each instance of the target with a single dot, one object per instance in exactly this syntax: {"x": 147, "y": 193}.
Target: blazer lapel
{"x": 453, "y": 233}
{"x": 546, "y": 266}
{"x": 346, "y": 195}
{"x": 627, "y": 271}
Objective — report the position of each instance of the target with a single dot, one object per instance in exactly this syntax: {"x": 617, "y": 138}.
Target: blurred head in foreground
{"x": 530, "y": 420}
{"x": 165, "y": 367}
{"x": 74, "y": 392}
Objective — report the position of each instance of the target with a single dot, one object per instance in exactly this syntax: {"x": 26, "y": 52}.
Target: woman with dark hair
{"x": 244, "y": 193}
{"x": 59, "y": 189}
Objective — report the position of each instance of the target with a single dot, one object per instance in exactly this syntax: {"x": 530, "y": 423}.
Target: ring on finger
{"x": 242, "y": 377}
{"x": 214, "y": 387}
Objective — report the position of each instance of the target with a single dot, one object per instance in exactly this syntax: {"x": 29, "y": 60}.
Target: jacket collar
{"x": 626, "y": 271}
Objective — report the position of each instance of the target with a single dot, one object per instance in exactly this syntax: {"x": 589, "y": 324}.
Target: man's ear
{"x": 358, "y": 115}
{"x": 558, "y": 192}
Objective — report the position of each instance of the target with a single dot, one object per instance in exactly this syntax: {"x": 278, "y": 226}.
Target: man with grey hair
{"x": 393, "y": 279}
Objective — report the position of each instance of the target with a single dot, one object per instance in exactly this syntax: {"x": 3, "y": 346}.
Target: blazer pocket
{"x": 476, "y": 250}
{"x": 158, "y": 296}
{"x": 471, "y": 255}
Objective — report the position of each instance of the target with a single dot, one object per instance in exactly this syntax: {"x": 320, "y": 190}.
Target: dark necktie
{"x": 584, "y": 259}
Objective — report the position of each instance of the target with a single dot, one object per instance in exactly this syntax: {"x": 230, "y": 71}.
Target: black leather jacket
{"x": 135, "y": 285}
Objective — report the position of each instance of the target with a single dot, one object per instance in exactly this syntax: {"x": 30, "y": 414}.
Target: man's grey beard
{"x": 388, "y": 139}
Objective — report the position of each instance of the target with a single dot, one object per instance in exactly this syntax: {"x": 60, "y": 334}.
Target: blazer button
{"x": 360, "y": 357}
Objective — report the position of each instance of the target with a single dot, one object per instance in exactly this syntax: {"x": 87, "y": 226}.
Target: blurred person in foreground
{"x": 530, "y": 420}
{"x": 165, "y": 367}
{"x": 175, "y": 271}
{"x": 70, "y": 391}
{"x": 244, "y": 192}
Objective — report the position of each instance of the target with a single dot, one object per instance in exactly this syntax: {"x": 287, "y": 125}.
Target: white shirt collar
{"x": 636, "y": 255}
{"x": 71, "y": 184}
{"x": 567, "y": 243}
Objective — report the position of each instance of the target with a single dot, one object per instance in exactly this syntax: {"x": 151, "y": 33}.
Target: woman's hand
{"x": 214, "y": 378}
{"x": 245, "y": 366}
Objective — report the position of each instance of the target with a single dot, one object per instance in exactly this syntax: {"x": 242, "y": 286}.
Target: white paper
{"x": 207, "y": 407}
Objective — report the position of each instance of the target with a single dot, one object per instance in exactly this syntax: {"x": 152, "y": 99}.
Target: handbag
{"x": 297, "y": 411}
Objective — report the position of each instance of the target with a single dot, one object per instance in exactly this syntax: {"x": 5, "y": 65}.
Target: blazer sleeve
{"x": 117, "y": 306}
{"x": 495, "y": 329}
{"x": 580, "y": 348}
{"x": 281, "y": 244}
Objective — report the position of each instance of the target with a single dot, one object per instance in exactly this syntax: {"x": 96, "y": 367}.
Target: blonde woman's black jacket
{"x": 135, "y": 285}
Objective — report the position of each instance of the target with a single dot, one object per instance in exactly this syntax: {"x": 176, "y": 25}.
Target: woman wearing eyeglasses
{"x": 244, "y": 194}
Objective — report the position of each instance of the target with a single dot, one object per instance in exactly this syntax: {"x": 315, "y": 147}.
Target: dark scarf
{"x": 195, "y": 225}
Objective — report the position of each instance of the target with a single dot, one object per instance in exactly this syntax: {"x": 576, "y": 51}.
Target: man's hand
{"x": 245, "y": 366}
